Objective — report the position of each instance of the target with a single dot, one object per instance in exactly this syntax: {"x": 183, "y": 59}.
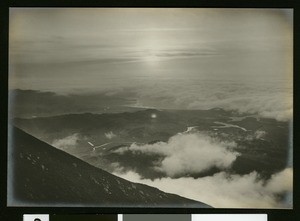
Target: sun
{"x": 152, "y": 48}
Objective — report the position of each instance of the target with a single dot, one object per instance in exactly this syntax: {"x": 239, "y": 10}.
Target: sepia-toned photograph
{"x": 150, "y": 108}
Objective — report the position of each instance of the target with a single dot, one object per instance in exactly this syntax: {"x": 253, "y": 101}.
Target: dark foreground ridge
{"x": 45, "y": 176}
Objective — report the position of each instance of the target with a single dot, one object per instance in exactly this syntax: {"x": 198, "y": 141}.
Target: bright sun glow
{"x": 152, "y": 47}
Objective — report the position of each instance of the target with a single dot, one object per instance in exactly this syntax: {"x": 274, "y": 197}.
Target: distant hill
{"x": 138, "y": 126}
{"x": 33, "y": 103}
{"x": 45, "y": 176}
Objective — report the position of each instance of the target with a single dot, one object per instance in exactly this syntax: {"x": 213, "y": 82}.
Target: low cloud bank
{"x": 271, "y": 99}
{"x": 188, "y": 153}
{"x": 268, "y": 100}
{"x": 223, "y": 190}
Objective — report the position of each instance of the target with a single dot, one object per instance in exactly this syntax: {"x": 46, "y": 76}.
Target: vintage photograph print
{"x": 150, "y": 107}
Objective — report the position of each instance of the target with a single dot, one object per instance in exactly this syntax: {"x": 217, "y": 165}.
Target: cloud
{"x": 109, "y": 135}
{"x": 281, "y": 182}
{"x": 186, "y": 52}
{"x": 67, "y": 142}
{"x": 259, "y": 134}
{"x": 188, "y": 153}
{"x": 272, "y": 100}
{"x": 223, "y": 190}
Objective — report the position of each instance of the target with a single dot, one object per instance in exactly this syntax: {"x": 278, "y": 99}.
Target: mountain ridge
{"x": 257, "y": 152}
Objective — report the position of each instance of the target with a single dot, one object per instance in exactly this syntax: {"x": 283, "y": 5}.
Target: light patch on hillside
{"x": 66, "y": 142}
{"x": 110, "y": 135}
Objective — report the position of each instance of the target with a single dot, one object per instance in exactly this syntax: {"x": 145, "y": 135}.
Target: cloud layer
{"x": 269, "y": 100}
{"x": 224, "y": 190}
{"x": 188, "y": 153}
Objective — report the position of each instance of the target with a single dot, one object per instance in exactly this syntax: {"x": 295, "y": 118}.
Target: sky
{"x": 184, "y": 56}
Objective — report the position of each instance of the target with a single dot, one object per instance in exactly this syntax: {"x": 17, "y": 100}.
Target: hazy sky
{"x": 72, "y": 43}
{"x": 147, "y": 50}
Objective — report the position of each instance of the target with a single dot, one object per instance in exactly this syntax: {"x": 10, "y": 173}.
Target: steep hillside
{"x": 45, "y": 176}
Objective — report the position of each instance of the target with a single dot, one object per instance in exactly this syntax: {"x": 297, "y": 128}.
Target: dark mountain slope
{"x": 45, "y": 176}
